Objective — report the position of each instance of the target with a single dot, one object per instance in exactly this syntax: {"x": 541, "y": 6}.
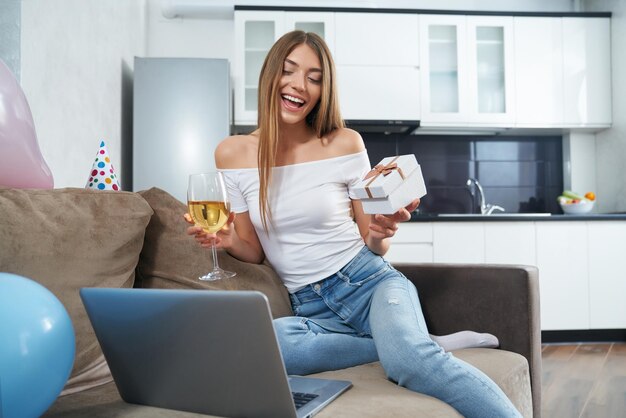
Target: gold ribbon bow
{"x": 379, "y": 169}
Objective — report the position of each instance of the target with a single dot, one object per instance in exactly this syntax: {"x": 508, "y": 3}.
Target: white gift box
{"x": 390, "y": 185}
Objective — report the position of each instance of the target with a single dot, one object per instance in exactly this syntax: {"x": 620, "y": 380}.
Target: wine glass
{"x": 209, "y": 208}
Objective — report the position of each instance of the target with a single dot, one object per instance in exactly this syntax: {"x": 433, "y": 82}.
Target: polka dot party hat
{"x": 102, "y": 176}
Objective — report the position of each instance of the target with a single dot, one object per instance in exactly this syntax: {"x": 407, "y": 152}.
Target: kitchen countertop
{"x": 509, "y": 217}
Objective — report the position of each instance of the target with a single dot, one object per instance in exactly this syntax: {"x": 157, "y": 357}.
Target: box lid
{"x": 386, "y": 176}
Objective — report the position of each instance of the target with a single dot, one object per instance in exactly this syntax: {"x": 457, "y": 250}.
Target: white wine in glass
{"x": 209, "y": 207}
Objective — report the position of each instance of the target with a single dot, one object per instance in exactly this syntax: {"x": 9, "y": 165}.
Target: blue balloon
{"x": 37, "y": 347}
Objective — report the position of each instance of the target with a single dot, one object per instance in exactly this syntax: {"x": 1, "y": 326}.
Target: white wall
{"x": 188, "y": 37}
{"x": 76, "y": 55}
{"x": 579, "y": 163}
{"x": 611, "y": 143}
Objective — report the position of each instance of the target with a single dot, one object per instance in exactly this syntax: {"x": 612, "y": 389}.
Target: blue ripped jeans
{"x": 368, "y": 311}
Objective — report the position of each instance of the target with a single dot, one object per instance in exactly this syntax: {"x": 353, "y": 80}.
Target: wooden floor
{"x": 584, "y": 380}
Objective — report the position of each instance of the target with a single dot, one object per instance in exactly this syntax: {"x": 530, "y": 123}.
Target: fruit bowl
{"x": 584, "y": 206}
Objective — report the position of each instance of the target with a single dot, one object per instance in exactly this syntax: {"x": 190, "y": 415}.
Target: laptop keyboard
{"x": 301, "y": 399}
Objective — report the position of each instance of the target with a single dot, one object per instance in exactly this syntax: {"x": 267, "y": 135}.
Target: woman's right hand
{"x": 223, "y": 238}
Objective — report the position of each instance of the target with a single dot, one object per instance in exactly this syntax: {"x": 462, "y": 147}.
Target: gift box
{"x": 390, "y": 185}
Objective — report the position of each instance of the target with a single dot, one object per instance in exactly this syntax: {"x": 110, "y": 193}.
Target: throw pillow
{"x": 172, "y": 259}
{"x": 66, "y": 239}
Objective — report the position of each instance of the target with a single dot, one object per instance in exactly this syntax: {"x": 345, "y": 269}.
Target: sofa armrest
{"x": 500, "y": 299}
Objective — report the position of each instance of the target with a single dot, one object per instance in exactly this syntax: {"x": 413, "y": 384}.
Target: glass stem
{"x": 214, "y": 254}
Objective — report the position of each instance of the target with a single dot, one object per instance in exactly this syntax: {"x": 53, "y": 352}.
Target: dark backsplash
{"x": 521, "y": 174}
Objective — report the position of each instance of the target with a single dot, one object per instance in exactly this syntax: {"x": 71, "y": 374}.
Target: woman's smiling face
{"x": 300, "y": 84}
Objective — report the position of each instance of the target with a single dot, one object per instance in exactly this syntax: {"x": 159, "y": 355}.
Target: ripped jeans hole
{"x": 393, "y": 301}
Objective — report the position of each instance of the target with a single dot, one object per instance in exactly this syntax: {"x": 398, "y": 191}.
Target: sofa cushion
{"x": 66, "y": 239}
{"x": 372, "y": 395}
{"x": 172, "y": 259}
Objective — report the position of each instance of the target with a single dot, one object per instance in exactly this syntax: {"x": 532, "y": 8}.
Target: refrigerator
{"x": 181, "y": 111}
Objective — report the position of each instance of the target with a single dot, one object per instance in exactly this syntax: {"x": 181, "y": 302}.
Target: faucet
{"x": 485, "y": 209}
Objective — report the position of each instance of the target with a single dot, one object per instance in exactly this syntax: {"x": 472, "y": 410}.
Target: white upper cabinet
{"x": 587, "y": 72}
{"x": 501, "y": 71}
{"x": 320, "y": 23}
{"x": 255, "y": 33}
{"x": 443, "y": 69}
{"x": 380, "y": 39}
{"x": 378, "y": 76}
{"x": 539, "y": 71}
{"x": 447, "y": 71}
{"x": 467, "y": 70}
{"x": 490, "y": 67}
{"x": 378, "y": 93}
{"x": 563, "y": 72}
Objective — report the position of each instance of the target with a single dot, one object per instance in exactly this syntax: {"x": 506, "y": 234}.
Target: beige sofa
{"x": 71, "y": 238}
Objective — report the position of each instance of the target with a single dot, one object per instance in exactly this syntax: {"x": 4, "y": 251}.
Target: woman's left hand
{"x": 385, "y": 226}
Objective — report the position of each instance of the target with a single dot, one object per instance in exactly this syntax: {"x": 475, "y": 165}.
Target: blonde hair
{"x": 324, "y": 118}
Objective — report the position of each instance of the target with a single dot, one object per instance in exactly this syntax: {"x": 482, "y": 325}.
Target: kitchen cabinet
{"x": 484, "y": 242}
{"x": 563, "y": 72}
{"x": 468, "y": 242}
{"x": 607, "y": 275}
{"x": 320, "y": 23}
{"x": 490, "y": 70}
{"x": 378, "y": 93}
{"x": 515, "y": 71}
{"x": 458, "y": 242}
{"x": 255, "y": 33}
{"x": 467, "y": 74}
{"x": 376, "y": 39}
{"x": 412, "y": 243}
{"x": 582, "y": 271}
{"x": 378, "y": 76}
{"x": 587, "y": 72}
{"x": 539, "y": 71}
{"x": 510, "y": 243}
{"x": 562, "y": 260}
{"x": 450, "y": 72}
{"x": 443, "y": 70}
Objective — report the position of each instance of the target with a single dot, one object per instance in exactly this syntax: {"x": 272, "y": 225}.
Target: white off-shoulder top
{"x": 313, "y": 233}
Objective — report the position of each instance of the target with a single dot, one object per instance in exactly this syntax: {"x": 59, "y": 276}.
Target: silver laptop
{"x": 210, "y": 352}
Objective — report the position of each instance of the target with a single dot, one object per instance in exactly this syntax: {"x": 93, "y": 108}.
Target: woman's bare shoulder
{"x": 345, "y": 141}
{"x": 237, "y": 151}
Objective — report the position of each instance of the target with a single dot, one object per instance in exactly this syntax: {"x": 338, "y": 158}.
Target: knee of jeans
{"x": 290, "y": 331}
{"x": 419, "y": 367}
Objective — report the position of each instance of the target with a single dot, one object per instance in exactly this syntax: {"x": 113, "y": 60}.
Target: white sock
{"x": 466, "y": 339}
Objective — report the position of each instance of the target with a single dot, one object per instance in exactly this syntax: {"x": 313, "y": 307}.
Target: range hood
{"x": 405, "y": 127}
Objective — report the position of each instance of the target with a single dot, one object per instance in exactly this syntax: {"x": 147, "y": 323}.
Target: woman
{"x": 290, "y": 186}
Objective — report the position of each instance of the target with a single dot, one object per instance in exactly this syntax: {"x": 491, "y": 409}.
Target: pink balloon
{"x": 21, "y": 164}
